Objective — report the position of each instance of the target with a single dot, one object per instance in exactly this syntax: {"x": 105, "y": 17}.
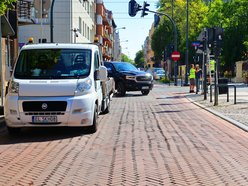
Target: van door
{"x": 98, "y": 82}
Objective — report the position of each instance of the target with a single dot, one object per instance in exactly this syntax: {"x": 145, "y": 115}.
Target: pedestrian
{"x": 192, "y": 78}
{"x": 198, "y": 77}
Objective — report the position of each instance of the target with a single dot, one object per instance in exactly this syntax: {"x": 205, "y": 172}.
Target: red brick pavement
{"x": 159, "y": 139}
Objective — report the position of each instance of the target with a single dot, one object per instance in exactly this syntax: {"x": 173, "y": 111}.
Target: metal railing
{"x": 224, "y": 85}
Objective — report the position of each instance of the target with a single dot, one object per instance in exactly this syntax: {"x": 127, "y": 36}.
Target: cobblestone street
{"x": 159, "y": 139}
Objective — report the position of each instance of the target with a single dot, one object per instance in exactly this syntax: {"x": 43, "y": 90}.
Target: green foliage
{"x": 164, "y": 80}
{"x": 163, "y": 35}
{"x": 5, "y": 5}
{"x": 139, "y": 59}
{"x": 125, "y": 58}
{"x": 231, "y": 15}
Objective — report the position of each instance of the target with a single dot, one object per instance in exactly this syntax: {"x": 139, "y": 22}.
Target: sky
{"x": 137, "y": 28}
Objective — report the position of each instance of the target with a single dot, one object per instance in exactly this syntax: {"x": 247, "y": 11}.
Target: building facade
{"x": 73, "y": 21}
{"x": 105, "y": 26}
{"x": 148, "y": 52}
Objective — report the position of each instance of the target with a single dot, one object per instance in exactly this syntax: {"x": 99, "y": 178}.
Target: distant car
{"x": 159, "y": 74}
{"x": 153, "y": 71}
{"x": 128, "y": 78}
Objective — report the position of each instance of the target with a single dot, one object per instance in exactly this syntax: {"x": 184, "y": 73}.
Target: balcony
{"x": 24, "y": 12}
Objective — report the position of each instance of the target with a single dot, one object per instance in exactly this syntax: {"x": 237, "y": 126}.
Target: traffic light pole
{"x": 51, "y": 22}
{"x": 175, "y": 39}
{"x": 205, "y": 63}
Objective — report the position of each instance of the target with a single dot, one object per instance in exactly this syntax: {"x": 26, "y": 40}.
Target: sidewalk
{"x": 234, "y": 113}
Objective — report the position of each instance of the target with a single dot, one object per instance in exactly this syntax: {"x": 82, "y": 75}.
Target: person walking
{"x": 198, "y": 77}
{"x": 192, "y": 78}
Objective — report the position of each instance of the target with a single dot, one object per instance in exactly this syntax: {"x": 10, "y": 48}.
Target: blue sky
{"x": 137, "y": 28}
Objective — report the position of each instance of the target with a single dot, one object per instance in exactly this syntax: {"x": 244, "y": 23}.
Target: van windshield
{"x": 53, "y": 64}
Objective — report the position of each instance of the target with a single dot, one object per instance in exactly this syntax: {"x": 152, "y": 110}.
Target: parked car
{"x": 58, "y": 85}
{"x": 159, "y": 74}
{"x": 153, "y": 71}
{"x": 128, "y": 78}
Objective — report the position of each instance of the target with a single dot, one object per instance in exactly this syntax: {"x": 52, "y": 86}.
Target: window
{"x": 53, "y": 64}
{"x": 80, "y": 25}
{"x": 96, "y": 61}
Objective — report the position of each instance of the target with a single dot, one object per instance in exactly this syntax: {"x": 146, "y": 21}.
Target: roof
{"x": 61, "y": 45}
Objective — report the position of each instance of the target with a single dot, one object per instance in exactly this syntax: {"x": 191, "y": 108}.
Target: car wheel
{"x": 121, "y": 90}
{"x": 13, "y": 131}
{"x": 145, "y": 92}
{"x": 107, "y": 110}
{"x": 93, "y": 128}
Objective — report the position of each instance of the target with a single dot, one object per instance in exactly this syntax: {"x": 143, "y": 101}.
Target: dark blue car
{"x": 128, "y": 78}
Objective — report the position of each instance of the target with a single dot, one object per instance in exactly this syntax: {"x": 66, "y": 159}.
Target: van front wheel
{"x": 93, "y": 128}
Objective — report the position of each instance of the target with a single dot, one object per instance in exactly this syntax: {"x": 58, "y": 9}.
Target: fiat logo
{"x": 44, "y": 106}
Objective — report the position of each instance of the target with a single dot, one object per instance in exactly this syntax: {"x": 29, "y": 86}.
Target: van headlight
{"x": 14, "y": 87}
{"x": 83, "y": 87}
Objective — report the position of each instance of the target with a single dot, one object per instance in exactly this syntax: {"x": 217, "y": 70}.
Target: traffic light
{"x": 133, "y": 8}
{"x": 144, "y": 9}
{"x": 215, "y": 35}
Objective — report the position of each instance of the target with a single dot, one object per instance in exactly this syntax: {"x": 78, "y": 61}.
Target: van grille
{"x": 43, "y": 113}
{"x": 44, "y": 106}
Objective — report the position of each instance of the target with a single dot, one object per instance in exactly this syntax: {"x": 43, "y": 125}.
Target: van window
{"x": 96, "y": 61}
{"x": 53, "y": 64}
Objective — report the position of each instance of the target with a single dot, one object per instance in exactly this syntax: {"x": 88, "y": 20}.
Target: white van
{"x": 56, "y": 85}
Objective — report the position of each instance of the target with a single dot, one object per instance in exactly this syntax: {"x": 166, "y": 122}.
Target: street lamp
{"x": 187, "y": 45}
{"x": 119, "y": 28}
{"x": 116, "y": 43}
{"x": 124, "y": 41}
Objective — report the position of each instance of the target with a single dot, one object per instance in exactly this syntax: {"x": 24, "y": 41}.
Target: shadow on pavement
{"x": 28, "y": 135}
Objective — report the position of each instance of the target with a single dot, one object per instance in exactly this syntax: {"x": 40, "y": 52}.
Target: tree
{"x": 233, "y": 17}
{"x": 197, "y": 11}
{"x": 162, "y": 36}
{"x": 5, "y": 5}
{"x": 139, "y": 59}
{"x": 125, "y": 58}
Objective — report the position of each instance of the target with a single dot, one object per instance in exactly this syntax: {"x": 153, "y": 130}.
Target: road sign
{"x": 196, "y": 43}
{"x": 175, "y": 56}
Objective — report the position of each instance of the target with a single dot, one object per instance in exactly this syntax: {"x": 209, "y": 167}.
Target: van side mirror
{"x": 101, "y": 74}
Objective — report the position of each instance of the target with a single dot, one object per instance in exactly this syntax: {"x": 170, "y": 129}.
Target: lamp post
{"x": 124, "y": 41}
{"x": 187, "y": 45}
{"x": 51, "y": 22}
{"x": 116, "y": 43}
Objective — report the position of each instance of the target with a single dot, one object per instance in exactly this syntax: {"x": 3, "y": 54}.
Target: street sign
{"x": 196, "y": 43}
{"x": 175, "y": 56}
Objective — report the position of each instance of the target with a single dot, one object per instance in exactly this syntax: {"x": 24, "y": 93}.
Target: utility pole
{"x": 51, "y": 22}
{"x": 187, "y": 45}
{"x": 1, "y": 69}
{"x": 205, "y": 45}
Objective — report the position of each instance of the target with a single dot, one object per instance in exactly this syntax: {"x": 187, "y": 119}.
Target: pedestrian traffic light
{"x": 133, "y": 8}
{"x": 144, "y": 9}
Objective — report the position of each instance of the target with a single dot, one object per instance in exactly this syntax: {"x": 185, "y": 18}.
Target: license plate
{"x": 44, "y": 119}
{"x": 145, "y": 88}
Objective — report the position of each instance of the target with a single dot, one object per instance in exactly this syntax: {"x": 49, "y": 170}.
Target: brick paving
{"x": 159, "y": 139}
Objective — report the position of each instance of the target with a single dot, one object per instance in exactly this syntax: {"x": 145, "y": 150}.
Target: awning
{"x": 6, "y": 28}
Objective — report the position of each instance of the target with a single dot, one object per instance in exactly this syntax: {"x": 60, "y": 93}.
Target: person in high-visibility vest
{"x": 212, "y": 65}
{"x": 192, "y": 78}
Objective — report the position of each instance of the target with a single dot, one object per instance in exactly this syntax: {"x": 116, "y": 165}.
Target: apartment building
{"x": 73, "y": 21}
{"x": 148, "y": 52}
{"x": 105, "y": 26}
